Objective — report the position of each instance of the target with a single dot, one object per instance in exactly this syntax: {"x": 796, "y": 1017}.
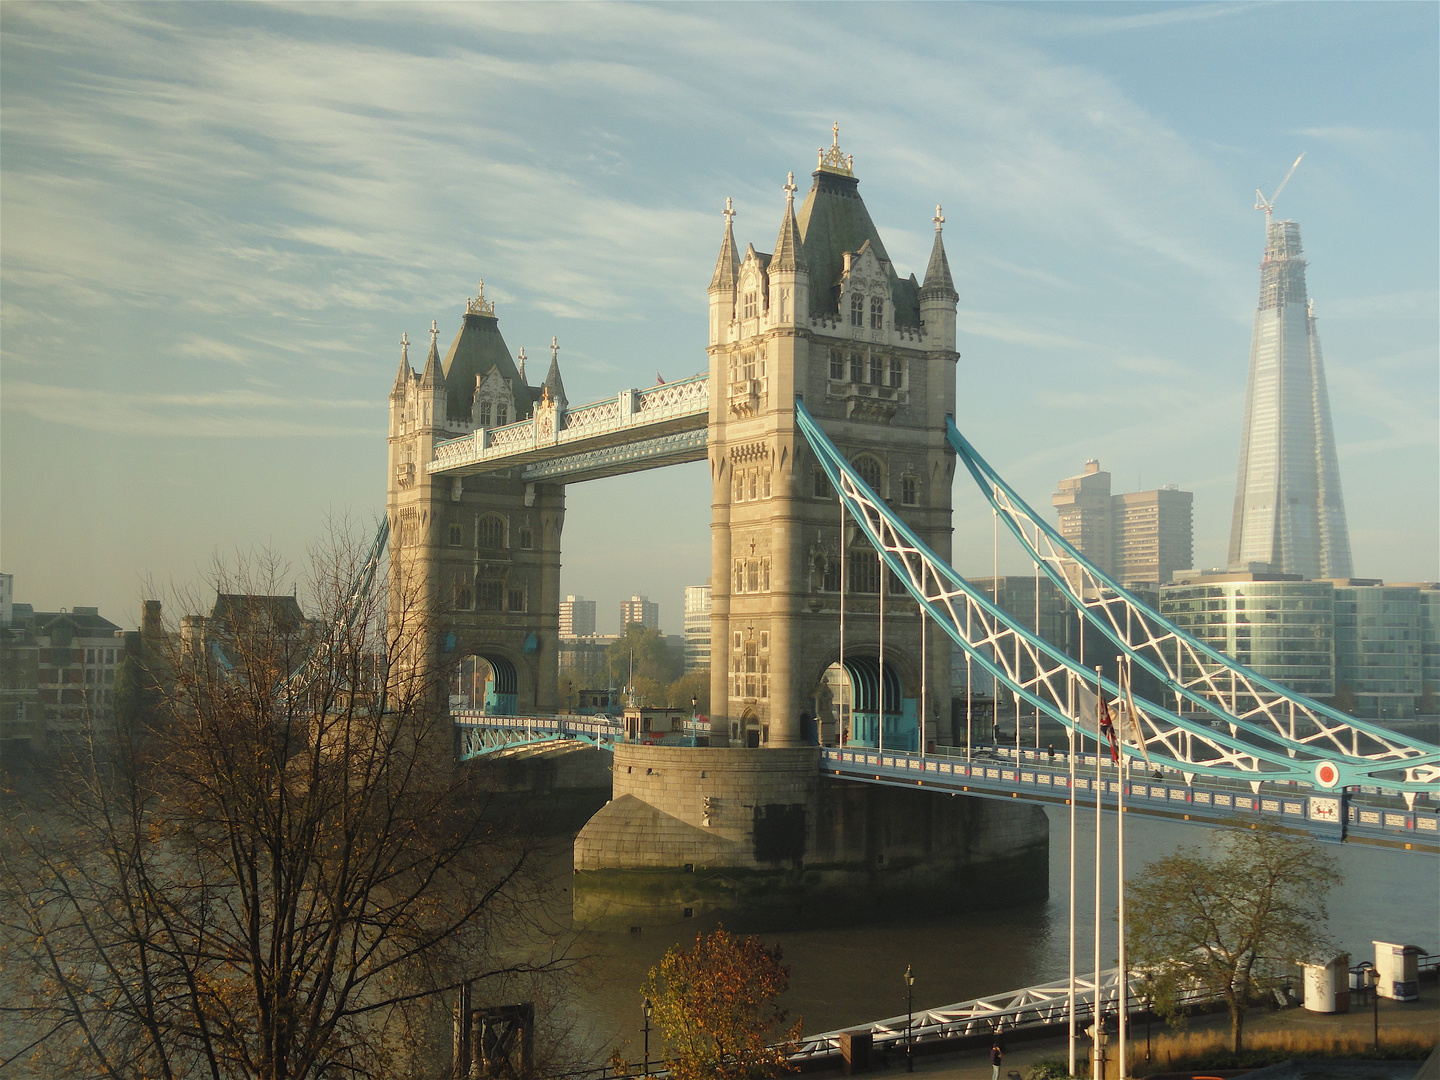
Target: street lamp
{"x": 909, "y": 1019}
{"x": 1374, "y": 978}
{"x": 648, "y": 1007}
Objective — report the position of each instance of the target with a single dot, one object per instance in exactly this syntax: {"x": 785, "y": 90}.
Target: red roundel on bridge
{"x": 1326, "y": 774}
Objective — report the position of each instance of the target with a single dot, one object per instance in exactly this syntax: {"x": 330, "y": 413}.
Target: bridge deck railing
{"x": 998, "y": 772}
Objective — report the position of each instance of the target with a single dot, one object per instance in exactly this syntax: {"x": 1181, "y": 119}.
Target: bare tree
{"x": 279, "y": 874}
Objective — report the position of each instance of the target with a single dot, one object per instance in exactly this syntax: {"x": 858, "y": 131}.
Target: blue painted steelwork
{"x": 1305, "y": 726}
{"x": 1372, "y": 815}
{"x": 1008, "y": 650}
{"x": 1375, "y": 815}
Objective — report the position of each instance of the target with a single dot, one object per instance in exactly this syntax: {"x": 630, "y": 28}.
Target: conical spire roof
{"x": 553, "y": 382}
{"x": 789, "y": 250}
{"x": 727, "y": 266}
{"x": 937, "y": 273}
{"x": 431, "y": 379}
{"x": 404, "y": 375}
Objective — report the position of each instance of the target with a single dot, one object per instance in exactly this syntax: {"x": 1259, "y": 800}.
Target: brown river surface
{"x": 849, "y": 975}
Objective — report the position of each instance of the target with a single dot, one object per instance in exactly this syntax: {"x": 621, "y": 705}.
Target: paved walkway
{"x": 975, "y": 1065}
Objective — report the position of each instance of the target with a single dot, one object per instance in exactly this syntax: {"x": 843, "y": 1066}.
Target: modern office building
{"x": 1358, "y": 643}
{"x": 697, "y": 627}
{"x": 639, "y": 609}
{"x": 1289, "y": 517}
{"x": 577, "y": 617}
{"x": 1139, "y": 538}
{"x": 1275, "y": 624}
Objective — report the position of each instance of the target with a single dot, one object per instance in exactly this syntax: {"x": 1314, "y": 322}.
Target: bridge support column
{"x": 757, "y": 837}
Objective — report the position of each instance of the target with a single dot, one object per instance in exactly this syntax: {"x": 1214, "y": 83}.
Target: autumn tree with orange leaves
{"x": 715, "y": 1005}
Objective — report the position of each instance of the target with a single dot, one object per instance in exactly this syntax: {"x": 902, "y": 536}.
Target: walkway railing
{"x": 630, "y": 414}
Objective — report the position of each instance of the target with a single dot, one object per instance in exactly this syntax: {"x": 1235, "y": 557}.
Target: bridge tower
{"x": 478, "y": 554}
{"x": 826, "y": 318}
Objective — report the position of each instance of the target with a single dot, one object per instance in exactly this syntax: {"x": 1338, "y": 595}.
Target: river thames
{"x": 841, "y": 976}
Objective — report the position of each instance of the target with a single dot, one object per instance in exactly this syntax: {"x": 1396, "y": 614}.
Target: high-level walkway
{"x": 635, "y": 430}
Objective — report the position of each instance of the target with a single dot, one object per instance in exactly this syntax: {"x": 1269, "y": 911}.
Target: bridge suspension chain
{"x": 1040, "y": 674}
{"x": 1193, "y": 670}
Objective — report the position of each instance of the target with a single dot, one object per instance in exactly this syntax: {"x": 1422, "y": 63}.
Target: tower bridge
{"x": 826, "y": 418}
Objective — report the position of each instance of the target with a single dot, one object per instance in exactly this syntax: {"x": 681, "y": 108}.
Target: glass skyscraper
{"x": 1289, "y": 515}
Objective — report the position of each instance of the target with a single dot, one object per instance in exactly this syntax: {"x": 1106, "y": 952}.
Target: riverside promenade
{"x": 1397, "y": 1020}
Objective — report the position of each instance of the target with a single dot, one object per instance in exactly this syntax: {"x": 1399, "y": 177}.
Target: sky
{"x": 216, "y": 221}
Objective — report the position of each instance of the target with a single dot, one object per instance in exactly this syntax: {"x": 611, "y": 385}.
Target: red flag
{"x": 1107, "y": 728}
{"x": 658, "y": 380}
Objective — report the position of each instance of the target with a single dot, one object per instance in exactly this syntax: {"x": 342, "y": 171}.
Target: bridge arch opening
{"x": 857, "y": 705}
{"x": 486, "y": 682}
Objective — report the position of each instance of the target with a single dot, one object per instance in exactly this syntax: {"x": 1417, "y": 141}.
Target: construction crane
{"x": 1268, "y": 205}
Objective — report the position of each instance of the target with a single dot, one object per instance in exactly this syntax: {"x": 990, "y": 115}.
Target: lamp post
{"x": 1374, "y": 974}
{"x": 909, "y": 1019}
{"x": 647, "y": 1036}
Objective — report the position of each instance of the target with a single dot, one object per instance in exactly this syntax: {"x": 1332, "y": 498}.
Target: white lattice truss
{"x": 1033, "y": 1006}
{"x": 1191, "y": 669}
{"x": 1044, "y": 677}
{"x": 482, "y": 734}
{"x": 631, "y": 411}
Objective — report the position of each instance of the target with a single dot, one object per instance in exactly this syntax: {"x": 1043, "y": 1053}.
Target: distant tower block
{"x": 1289, "y": 515}
{"x": 827, "y": 319}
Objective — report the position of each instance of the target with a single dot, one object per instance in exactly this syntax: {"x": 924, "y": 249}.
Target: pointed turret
{"x": 552, "y": 378}
{"x": 432, "y": 379}
{"x": 723, "y": 281}
{"x": 937, "y": 296}
{"x": 404, "y": 375}
{"x": 788, "y": 274}
{"x": 937, "y": 274}
{"x": 789, "y": 253}
{"x": 727, "y": 266}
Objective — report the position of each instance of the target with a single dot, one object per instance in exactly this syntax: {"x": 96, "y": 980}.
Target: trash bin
{"x": 1327, "y": 985}
{"x": 1399, "y": 969}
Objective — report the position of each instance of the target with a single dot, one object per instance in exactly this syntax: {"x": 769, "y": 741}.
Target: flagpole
{"x": 1099, "y": 796}
{"x": 1070, "y": 711}
{"x": 1123, "y": 666}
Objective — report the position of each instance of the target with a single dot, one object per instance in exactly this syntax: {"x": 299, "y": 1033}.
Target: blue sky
{"x": 216, "y": 220}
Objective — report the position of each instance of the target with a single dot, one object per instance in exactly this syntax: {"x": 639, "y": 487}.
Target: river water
{"x": 849, "y": 975}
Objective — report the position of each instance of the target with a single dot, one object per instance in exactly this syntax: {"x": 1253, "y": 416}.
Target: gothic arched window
{"x": 491, "y": 533}
{"x": 857, "y": 311}
{"x": 877, "y": 313}
{"x": 869, "y": 470}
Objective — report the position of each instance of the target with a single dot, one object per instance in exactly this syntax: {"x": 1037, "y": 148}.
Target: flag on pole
{"x": 658, "y": 380}
{"x": 1130, "y": 730}
{"x": 1107, "y": 727}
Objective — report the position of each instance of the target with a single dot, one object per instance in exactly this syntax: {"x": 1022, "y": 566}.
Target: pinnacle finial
{"x": 480, "y": 306}
{"x": 832, "y": 159}
{"x": 729, "y": 211}
{"x": 939, "y": 218}
{"x": 434, "y": 331}
{"x": 554, "y": 349}
{"x": 790, "y": 189}
{"x": 404, "y": 347}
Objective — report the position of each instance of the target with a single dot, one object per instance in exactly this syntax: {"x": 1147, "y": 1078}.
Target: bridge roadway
{"x": 1365, "y": 815}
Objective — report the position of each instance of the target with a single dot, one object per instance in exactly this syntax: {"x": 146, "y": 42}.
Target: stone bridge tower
{"x": 824, "y": 318}
{"x": 482, "y": 552}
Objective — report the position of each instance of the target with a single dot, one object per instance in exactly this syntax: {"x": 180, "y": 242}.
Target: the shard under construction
{"x": 1289, "y": 514}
